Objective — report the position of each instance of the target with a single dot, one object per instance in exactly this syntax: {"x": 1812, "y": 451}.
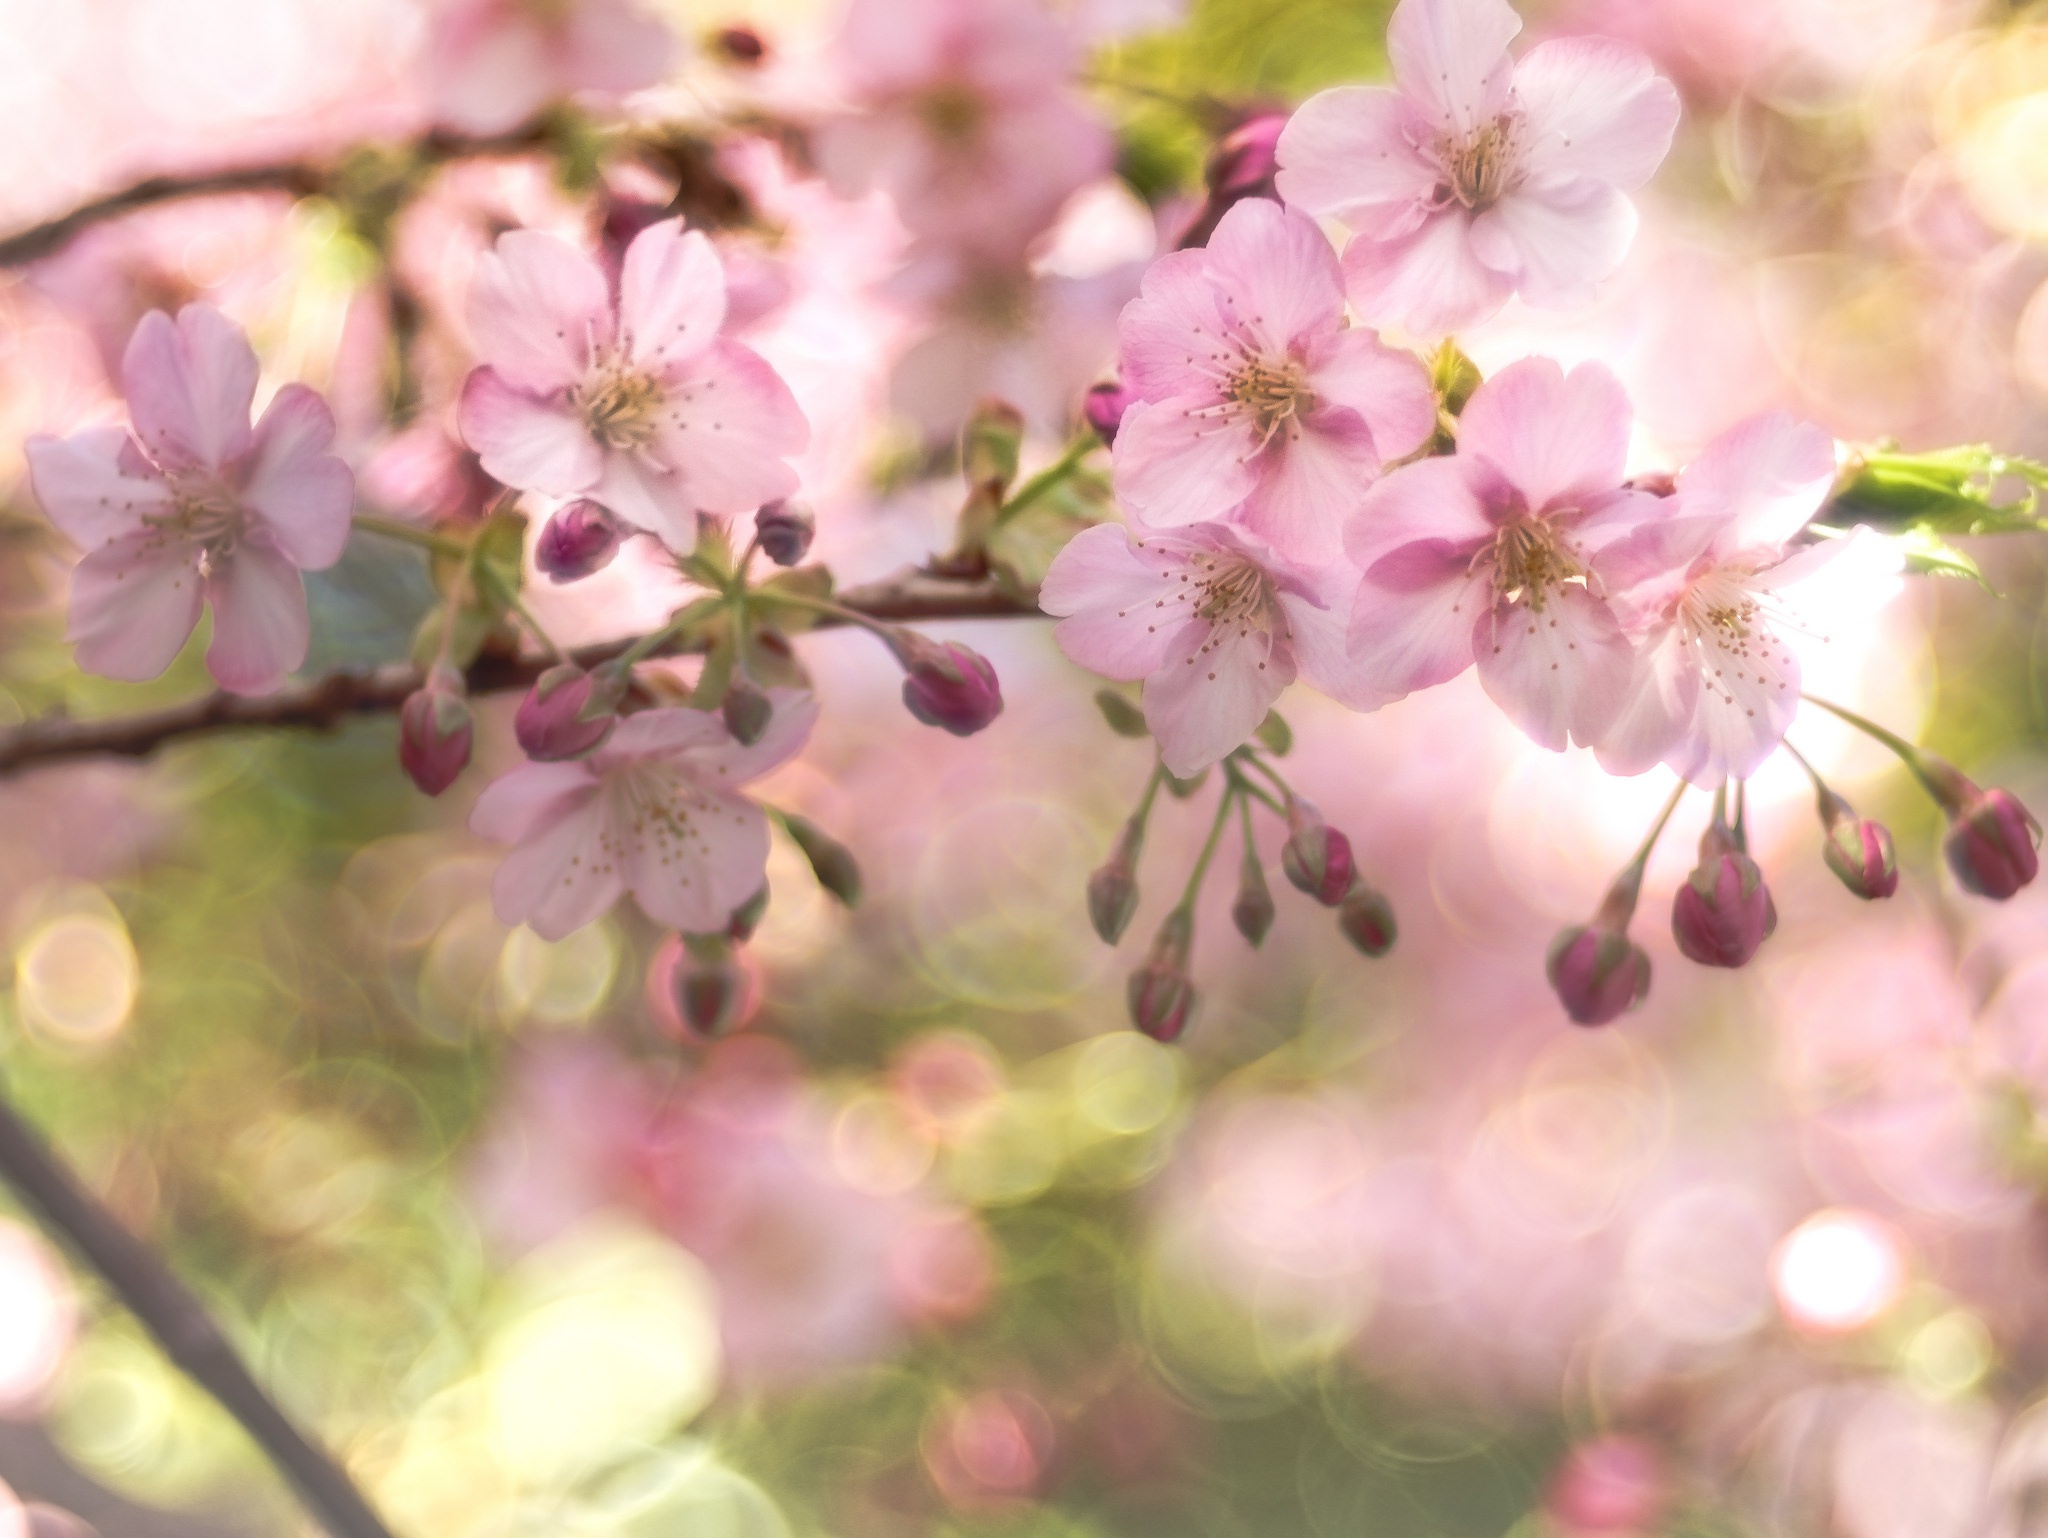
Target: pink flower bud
{"x": 1992, "y": 843}
{"x": 568, "y": 712}
{"x": 1161, "y": 995}
{"x": 1244, "y": 160}
{"x": 746, "y": 712}
{"x": 1858, "y": 850}
{"x": 1612, "y": 1486}
{"x": 712, "y": 991}
{"x": 1367, "y": 920}
{"x": 1316, "y": 857}
{"x": 1724, "y": 911}
{"x": 947, "y": 684}
{"x": 1253, "y": 911}
{"x": 1599, "y": 974}
{"x": 1104, "y": 409}
{"x": 579, "y": 539}
{"x": 434, "y": 731}
{"x": 1113, "y": 889}
{"x": 785, "y": 532}
{"x": 740, "y": 45}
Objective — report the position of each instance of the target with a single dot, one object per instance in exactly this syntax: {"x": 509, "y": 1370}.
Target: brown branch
{"x": 322, "y": 704}
{"x": 171, "y": 1314}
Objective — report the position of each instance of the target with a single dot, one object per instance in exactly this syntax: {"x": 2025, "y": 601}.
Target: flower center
{"x": 203, "y": 513}
{"x": 1229, "y": 590}
{"x": 1273, "y": 393}
{"x": 952, "y": 112}
{"x": 619, "y": 408}
{"x": 1479, "y": 171}
{"x": 1530, "y": 557}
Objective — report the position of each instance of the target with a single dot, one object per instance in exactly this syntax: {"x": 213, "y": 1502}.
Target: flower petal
{"x": 304, "y": 493}
{"x": 1312, "y": 478}
{"x": 134, "y": 602}
{"x": 1557, "y": 438}
{"x": 1277, "y": 273}
{"x": 1452, "y": 56}
{"x": 1387, "y": 386}
{"x": 695, "y": 858}
{"x": 561, "y": 875}
{"x": 1556, "y": 241}
{"x": 1352, "y": 155}
{"x": 88, "y": 491}
{"x": 538, "y": 311}
{"x": 1594, "y": 107}
{"x": 1113, "y": 597}
{"x": 260, "y": 626}
{"x": 1428, "y": 282}
{"x": 1560, "y": 672}
{"x": 1175, "y": 466}
{"x": 189, "y": 383}
{"x": 1436, "y": 501}
{"x": 648, "y": 497}
{"x": 1212, "y": 692}
{"x": 727, "y": 763}
{"x": 534, "y": 442}
{"x": 1411, "y": 623}
{"x": 671, "y": 295}
{"x": 1764, "y": 479}
{"x": 726, "y": 427}
{"x": 517, "y": 805}
{"x": 1318, "y": 636}
{"x": 1662, "y": 697}
{"x": 1749, "y": 693}
{"x": 1175, "y": 324}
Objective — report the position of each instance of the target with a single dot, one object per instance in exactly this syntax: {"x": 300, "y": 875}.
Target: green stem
{"x": 1250, "y": 791}
{"x": 1910, "y": 756}
{"x": 1143, "y": 814}
{"x": 1619, "y": 905}
{"x": 1048, "y": 478}
{"x": 1252, "y": 760}
{"x": 406, "y": 533}
{"x": 1187, "y": 896}
{"x": 517, "y": 605}
{"x": 1251, "y": 848}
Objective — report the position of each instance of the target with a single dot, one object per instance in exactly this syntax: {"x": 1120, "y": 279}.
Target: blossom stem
{"x": 1194, "y": 886}
{"x": 517, "y": 605}
{"x": 1050, "y": 477}
{"x": 1619, "y": 905}
{"x": 406, "y": 533}
{"x": 1252, "y": 792}
{"x": 1252, "y": 760}
{"x": 1916, "y": 761}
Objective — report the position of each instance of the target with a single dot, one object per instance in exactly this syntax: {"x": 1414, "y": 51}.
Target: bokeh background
{"x": 936, "y": 1243}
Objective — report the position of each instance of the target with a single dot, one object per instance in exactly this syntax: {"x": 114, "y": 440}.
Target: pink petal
{"x": 538, "y": 308}
{"x": 189, "y": 383}
{"x": 133, "y": 605}
{"x": 1645, "y": 573}
{"x": 1350, "y": 155}
{"x": 86, "y": 490}
{"x": 1113, "y": 599}
{"x": 1595, "y": 108}
{"x": 1429, "y": 282}
{"x": 1212, "y": 692}
{"x": 1558, "y": 439}
{"x": 1433, "y": 501}
{"x": 697, "y": 859}
{"x": 724, "y": 763}
{"x": 561, "y": 875}
{"x": 1318, "y": 636}
{"x": 260, "y": 625}
{"x": 1411, "y": 623}
{"x": 1764, "y": 478}
{"x": 1387, "y": 387}
{"x": 517, "y": 806}
{"x": 1277, "y": 273}
{"x": 1176, "y": 467}
{"x": 1452, "y": 57}
{"x": 1311, "y": 480}
{"x": 726, "y": 427}
{"x": 1560, "y": 672}
{"x": 492, "y": 75}
{"x": 1174, "y": 331}
{"x": 1662, "y": 696}
{"x": 613, "y": 47}
{"x": 1749, "y": 693}
{"x": 648, "y": 497}
{"x": 535, "y": 442}
{"x": 671, "y": 295}
{"x": 300, "y": 490}
{"x": 1557, "y": 241}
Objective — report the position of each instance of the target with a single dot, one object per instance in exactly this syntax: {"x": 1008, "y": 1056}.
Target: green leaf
{"x": 1276, "y": 734}
{"x": 1124, "y": 718}
{"x": 1927, "y": 554}
{"x": 1946, "y": 491}
{"x": 803, "y": 582}
{"x": 498, "y": 561}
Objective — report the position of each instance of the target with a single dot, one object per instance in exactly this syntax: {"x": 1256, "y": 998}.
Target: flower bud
{"x": 1598, "y": 973}
{"x": 1992, "y": 843}
{"x": 747, "y": 712}
{"x": 1161, "y": 995}
{"x": 711, "y": 988}
{"x": 830, "y": 861}
{"x": 1367, "y": 920}
{"x": 1316, "y": 857}
{"x": 991, "y": 444}
{"x": 1104, "y": 409}
{"x": 1253, "y": 911}
{"x": 1244, "y": 160}
{"x": 434, "y": 731}
{"x": 1113, "y": 889}
{"x": 1614, "y": 1486}
{"x": 947, "y": 684}
{"x": 1858, "y": 850}
{"x": 579, "y": 539}
{"x": 1723, "y": 912}
{"x": 739, "y": 45}
{"x": 784, "y": 532}
{"x": 746, "y": 918}
{"x": 568, "y": 712}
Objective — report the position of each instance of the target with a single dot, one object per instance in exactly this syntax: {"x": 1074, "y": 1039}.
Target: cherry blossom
{"x": 654, "y": 812}
{"x": 1253, "y": 400}
{"x": 634, "y": 402}
{"x": 1718, "y": 684}
{"x": 1216, "y": 629}
{"x": 196, "y": 507}
{"x": 1493, "y": 555}
{"x": 493, "y": 64}
{"x": 1479, "y": 176}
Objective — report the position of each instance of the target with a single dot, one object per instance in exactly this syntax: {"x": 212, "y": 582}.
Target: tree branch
{"x": 322, "y": 704}
{"x": 180, "y": 1325}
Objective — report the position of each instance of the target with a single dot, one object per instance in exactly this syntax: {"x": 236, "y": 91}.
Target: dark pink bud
{"x": 1858, "y": 850}
{"x": 1992, "y": 844}
{"x": 1724, "y": 911}
{"x": 434, "y": 731}
{"x": 1612, "y": 1486}
{"x": 1316, "y": 857}
{"x": 1113, "y": 889}
{"x": 746, "y": 712}
{"x": 568, "y": 712}
{"x": 1253, "y": 911}
{"x": 1161, "y": 995}
{"x": 1104, "y": 408}
{"x": 1367, "y": 919}
{"x": 1599, "y": 974}
{"x": 740, "y": 45}
{"x": 579, "y": 539}
{"x": 712, "y": 990}
{"x": 947, "y": 684}
{"x": 1244, "y": 160}
{"x": 785, "y": 532}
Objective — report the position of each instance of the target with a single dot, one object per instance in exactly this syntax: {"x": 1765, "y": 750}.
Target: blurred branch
{"x": 322, "y": 704}
{"x": 180, "y": 1325}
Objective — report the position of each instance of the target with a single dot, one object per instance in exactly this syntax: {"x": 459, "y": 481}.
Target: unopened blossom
{"x": 1214, "y": 627}
{"x": 1718, "y": 681}
{"x": 1493, "y": 555}
{"x": 655, "y": 812}
{"x": 1479, "y": 176}
{"x": 195, "y": 508}
{"x": 1253, "y": 398}
{"x": 962, "y": 111}
{"x": 493, "y": 64}
{"x": 578, "y": 539}
{"x": 633, "y": 400}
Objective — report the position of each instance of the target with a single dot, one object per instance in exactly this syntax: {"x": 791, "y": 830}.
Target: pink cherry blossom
{"x": 1216, "y": 629}
{"x": 196, "y": 507}
{"x": 635, "y": 401}
{"x": 493, "y": 64}
{"x": 654, "y": 812}
{"x": 1255, "y": 402}
{"x": 962, "y": 113}
{"x": 1718, "y": 684}
{"x": 1479, "y": 176}
{"x": 1493, "y": 555}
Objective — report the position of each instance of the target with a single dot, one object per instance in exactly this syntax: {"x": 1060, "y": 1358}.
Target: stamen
{"x": 620, "y": 407}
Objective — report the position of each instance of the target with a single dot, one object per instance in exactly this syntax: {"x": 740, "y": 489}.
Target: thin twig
{"x": 322, "y": 704}
{"x": 180, "y": 1325}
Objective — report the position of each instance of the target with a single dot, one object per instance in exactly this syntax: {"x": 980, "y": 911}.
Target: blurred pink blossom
{"x": 493, "y": 64}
